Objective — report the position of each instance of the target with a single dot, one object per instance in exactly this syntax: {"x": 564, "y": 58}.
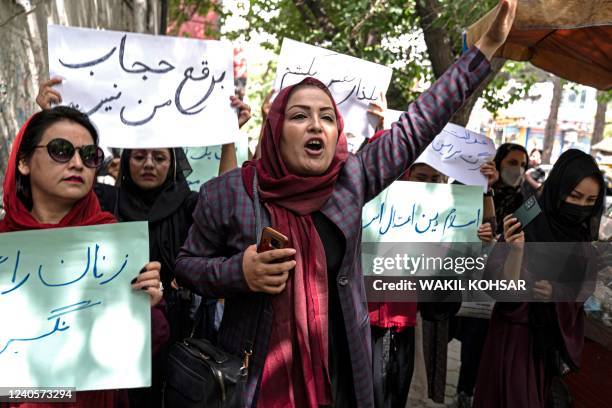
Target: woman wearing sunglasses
{"x": 153, "y": 187}
{"x": 48, "y": 184}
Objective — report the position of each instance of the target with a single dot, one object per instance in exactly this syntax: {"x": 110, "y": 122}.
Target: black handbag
{"x": 202, "y": 375}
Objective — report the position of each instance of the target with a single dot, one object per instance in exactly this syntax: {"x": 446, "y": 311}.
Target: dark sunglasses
{"x": 62, "y": 151}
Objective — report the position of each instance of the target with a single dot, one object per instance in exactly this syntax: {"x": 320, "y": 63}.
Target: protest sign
{"x": 68, "y": 314}
{"x": 407, "y": 218}
{"x": 146, "y": 91}
{"x": 353, "y": 82}
{"x": 205, "y": 161}
{"x": 459, "y": 153}
{"x": 423, "y": 212}
{"x": 391, "y": 116}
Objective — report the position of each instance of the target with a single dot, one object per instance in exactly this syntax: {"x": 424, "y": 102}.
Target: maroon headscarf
{"x": 86, "y": 211}
{"x": 296, "y": 368}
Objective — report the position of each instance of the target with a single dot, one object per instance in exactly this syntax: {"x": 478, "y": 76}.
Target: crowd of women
{"x": 317, "y": 343}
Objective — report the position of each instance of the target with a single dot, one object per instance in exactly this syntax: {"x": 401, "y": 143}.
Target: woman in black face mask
{"x": 511, "y": 162}
{"x": 527, "y": 341}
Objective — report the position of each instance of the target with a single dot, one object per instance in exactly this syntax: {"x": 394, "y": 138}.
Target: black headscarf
{"x": 559, "y": 326}
{"x": 570, "y": 169}
{"x": 507, "y": 199}
{"x": 136, "y": 204}
{"x": 168, "y": 208}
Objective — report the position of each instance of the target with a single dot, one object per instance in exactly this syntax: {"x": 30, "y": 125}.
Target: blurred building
{"x": 524, "y": 121}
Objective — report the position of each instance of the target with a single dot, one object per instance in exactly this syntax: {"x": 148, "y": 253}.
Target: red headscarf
{"x": 296, "y": 368}
{"x": 86, "y": 211}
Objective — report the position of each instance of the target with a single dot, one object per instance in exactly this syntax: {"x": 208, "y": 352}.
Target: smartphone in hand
{"x": 527, "y": 211}
{"x": 271, "y": 239}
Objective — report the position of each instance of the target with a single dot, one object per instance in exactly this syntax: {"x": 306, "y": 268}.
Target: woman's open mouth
{"x": 314, "y": 146}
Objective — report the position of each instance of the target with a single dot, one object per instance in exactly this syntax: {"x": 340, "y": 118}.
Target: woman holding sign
{"x": 48, "y": 184}
{"x": 314, "y": 324}
{"x": 152, "y": 186}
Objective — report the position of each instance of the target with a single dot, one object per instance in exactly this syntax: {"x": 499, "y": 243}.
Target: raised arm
{"x": 388, "y": 157}
{"x": 229, "y": 161}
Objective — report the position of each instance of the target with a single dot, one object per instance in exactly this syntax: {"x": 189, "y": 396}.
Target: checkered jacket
{"x": 210, "y": 261}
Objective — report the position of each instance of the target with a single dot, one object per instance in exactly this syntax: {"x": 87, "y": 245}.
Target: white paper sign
{"x": 391, "y": 116}
{"x": 353, "y": 82}
{"x": 459, "y": 153}
{"x": 146, "y": 91}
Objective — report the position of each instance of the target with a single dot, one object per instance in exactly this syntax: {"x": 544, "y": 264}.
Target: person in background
{"x": 528, "y": 343}
{"x": 534, "y": 176}
{"x": 48, "y": 184}
{"x": 152, "y": 186}
{"x": 511, "y": 163}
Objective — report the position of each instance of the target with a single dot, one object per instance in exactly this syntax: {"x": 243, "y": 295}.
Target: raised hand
{"x": 489, "y": 170}
{"x": 266, "y": 105}
{"x": 47, "y": 96}
{"x": 244, "y": 110}
{"x": 500, "y": 28}
{"x": 512, "y": 230}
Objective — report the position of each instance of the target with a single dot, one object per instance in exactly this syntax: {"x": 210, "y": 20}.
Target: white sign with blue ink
{"x": 459, "y": 153}
{"x": 354, "y": 83}
{"x": 68, "y": 314}
{"x": 146, "y": 91}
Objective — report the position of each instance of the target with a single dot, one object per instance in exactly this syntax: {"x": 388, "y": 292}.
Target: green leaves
{"x": 371, "y": 30}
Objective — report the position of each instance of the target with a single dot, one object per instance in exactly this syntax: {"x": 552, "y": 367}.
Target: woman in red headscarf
{"x": 48, "y": 184}
{"x": 312, "y": 340}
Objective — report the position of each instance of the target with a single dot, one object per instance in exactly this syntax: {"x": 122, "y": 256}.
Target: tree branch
{"x": 374, "y": 5}
{"x": 303, "y": 10}
{"x": 25, "y": 12}
{"x": 462, "y": 116}
{"x": 321, "y": 16}
{"x": 438, "y": 44}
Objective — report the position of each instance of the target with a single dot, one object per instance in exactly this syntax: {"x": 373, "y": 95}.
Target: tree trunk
{"x": 600, "y": 118}
{"x": 140, "y": 16}
{"x": 438, "y": 44}
{"x": 551, "y": 124}
{"x": 462, "y": 116}
{"x": 163, "y": 24}
{"x": 441, "y": 56}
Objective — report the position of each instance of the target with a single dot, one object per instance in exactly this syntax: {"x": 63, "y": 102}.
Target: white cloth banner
{"x": 459, "y": 153}
{"x": 146, "y": 91}
{"x": 353, "y": 82}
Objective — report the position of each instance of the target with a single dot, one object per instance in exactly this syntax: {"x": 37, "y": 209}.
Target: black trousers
{"x": 472, "y": 333}
{"x": 393, "y": 365}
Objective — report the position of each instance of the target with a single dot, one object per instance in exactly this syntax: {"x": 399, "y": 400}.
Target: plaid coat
{"x": 210, "y": 261}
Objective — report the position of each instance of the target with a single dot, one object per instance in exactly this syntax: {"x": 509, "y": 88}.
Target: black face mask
{"x": 575, "y": 214}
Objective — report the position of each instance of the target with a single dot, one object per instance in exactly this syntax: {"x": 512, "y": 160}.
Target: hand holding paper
{"x": 500, "y": 28}
{"x": 47, "y": 96}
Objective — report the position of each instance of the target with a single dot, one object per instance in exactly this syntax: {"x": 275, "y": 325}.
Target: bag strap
{"x": 261, "y": 302}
